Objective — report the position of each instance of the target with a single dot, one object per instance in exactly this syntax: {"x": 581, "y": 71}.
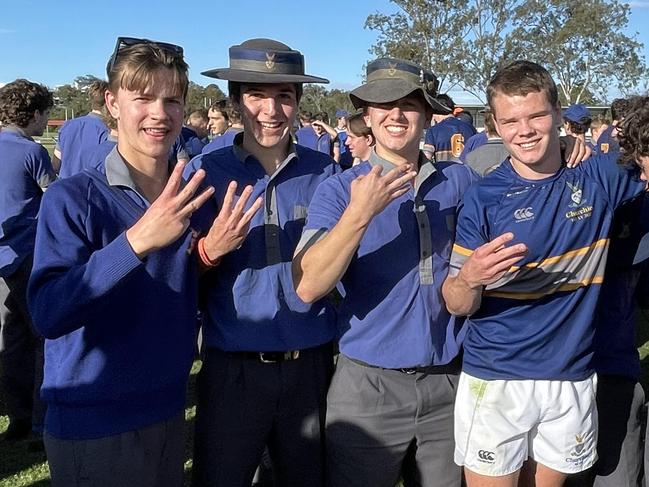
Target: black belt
{"x": 269, "y": 357}
{"x": 453, "y": 367}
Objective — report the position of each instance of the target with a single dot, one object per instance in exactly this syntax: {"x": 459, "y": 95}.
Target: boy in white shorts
{"x": 527, "y": 266}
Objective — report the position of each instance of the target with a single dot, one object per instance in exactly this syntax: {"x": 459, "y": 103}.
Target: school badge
{"x": 270, "y": 61}
{"x": 576, "y": 193}
{"x": 603, "y": 148}
{"x": 392, "y": 70}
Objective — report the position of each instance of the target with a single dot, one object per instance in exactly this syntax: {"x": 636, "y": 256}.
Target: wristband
{"x": 203, "y": 255}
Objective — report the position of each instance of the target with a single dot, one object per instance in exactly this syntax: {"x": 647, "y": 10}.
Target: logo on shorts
{"x": 579, "y": 447}
{"x": 486, "y": 456}
{"x": 524, "y": 214}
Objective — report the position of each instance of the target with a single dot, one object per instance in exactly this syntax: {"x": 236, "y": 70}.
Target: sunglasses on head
{"x": 124, "y": 42}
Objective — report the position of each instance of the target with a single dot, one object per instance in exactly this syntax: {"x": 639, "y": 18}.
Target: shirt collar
{"x": 117, "y": 172}
{"x": 242, "y": 154}
{"x": 426, "y": 167}
{"x": 14, "y": 129}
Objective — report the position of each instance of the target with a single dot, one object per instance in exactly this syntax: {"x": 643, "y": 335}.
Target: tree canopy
{"x": 464, "y": 42}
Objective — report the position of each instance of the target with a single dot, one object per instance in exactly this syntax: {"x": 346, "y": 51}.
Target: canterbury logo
{"x": 524, "y": 213}
{"x": 487, "y": 456}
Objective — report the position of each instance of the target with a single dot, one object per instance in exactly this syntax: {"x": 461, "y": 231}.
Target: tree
{"x": 485, "y": 47}
{"x": 427, "y": 32}
{"x": 317, "y": 99}
{"x": 581, "y": 43}
{"x": 201, "y": 97}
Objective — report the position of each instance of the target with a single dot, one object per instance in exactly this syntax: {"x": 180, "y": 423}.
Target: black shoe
{"x": 18, "y": 429}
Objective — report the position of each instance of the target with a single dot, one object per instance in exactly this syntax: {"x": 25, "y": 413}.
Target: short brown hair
{"x": 357, "y": 126}
{"x": 20, "y": 99}
{"x": 96, "y": 92}
{"x": 521, "y": 78}
{"x": 135, "y": 66}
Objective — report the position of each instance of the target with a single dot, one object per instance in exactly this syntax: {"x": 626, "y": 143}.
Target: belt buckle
{"x": 292, "y": 355}
{"x": 408, "y": 371}
{"x": 264, "y": 360}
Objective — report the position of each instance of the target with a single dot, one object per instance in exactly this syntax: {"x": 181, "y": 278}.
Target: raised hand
{"x": 231, "y": 225}
{"x": 372, "y": 192}
{"x": 491, "y": 261}
{"x": 168, "y": 216}
{"x": 575, "y": 150}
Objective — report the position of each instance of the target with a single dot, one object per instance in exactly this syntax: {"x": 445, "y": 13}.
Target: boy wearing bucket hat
{"x": 268, "y": 359}
{"x": 384, "y": 230}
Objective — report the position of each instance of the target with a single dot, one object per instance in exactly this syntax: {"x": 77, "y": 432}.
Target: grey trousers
{"x": 245, "y": 405}
{"x": 147, "y": 457}
{"x": 385, "y": 423}
{"x": 620, "y": 403}
{"x": 21, "y": 351}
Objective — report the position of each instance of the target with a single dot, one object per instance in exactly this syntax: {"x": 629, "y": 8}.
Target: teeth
{"x": 528, "y": 145}
{"x": 157, "y": 131}
{"x": 268, "y": 125}
{"x": 395, "y": 130}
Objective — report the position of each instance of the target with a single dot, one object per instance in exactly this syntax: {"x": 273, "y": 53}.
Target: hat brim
{"x": 244, "y": 76}
{"x": 389, "y": 90}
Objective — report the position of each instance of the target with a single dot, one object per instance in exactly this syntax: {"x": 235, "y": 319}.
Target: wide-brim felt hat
{"x": 264, "y": 61}
{"x": 390, "y": 79}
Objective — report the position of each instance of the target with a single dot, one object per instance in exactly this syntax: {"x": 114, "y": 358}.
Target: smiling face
{"x": 148, "y": 121}
{"x": 397, "y": 127}
{"x": 267, "y": 113}
{"x": 527, "y": 125}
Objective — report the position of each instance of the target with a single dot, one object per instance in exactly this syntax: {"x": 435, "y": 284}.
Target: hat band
{"x": 269, "y": 66}
{"x": 393, "y": 73}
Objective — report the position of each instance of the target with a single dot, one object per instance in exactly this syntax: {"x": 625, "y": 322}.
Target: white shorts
{"x": 500, "y": 423}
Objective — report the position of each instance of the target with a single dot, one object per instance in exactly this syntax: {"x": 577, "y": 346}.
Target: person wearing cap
{"x": 576, "y": 121}
{"x": 526, "y": 268}
{"x": 341, "y": 152}
{"x": 383, "y": 230}
{"x": 445, "y": 139}
{"x": 116, "y": 242}
{"x": 268, "y": 355}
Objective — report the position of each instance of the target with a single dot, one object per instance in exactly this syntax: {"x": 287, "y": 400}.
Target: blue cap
{"x": 340, "y": 113}
{"x": 577, "y": 113}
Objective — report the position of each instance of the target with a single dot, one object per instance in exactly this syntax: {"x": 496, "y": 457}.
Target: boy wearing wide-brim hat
{"x": 384, "y": 229}
{"x": 268, "y": 358}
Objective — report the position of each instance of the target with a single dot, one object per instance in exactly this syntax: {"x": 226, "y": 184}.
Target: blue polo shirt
{"x": 536, "y": 322}
{"x": 307, "y": 137}
{"x": 192, "y": 142}
{"x": 324, "y": 143}
{"x": 223, "y": 140}
{"x": 606, "y": 142}
{"x": 251, "y": 304}
{"x": 446, "y": 139}
{"x": 26, "y": 168}
{"x": 473, "y": 143}
{"x": 75, "y": 136}
{"x": 392, "y": 314}
{"x": 92, "y": 157}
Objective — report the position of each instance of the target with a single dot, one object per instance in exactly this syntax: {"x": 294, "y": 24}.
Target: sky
{"x": 54, "y": 42}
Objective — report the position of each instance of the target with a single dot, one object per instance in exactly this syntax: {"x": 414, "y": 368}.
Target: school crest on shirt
{"x": 603, "y": 148}
{"x": 270, "y": 61}
{"x": 392, "y": 70}
{"x": 576, "y": 193}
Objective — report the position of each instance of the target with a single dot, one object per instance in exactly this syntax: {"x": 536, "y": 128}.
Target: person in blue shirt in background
{"x": 114, "y": 288}
{"x": 25, "y": 172}
{"x": 620, "y": 397}
{"x": 226, "y": 138}
{"x": 445, "y": 139}
{"x": 576, "y": 122}
{"x": 268, "y": 355}
{"x": 383, "y": 230}
{"x": 81, "y": 133}
{"x": 194, "y": 132}
{"x": 607, "y": 140}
